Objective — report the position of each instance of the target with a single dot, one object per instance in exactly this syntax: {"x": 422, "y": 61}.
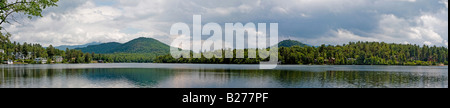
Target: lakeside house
{"x": 8, "y": 62}
{"x": 58, "y": 59}
{"x": 21, "y": 56}
{"x": 331, "y": 60}
{"x": 41, "y": 60}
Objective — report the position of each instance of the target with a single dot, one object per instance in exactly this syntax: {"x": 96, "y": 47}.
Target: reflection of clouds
{"x": 192, "y": 80}
{"x": 217, "y": 80}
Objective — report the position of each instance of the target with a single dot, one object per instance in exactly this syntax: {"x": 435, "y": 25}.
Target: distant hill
{"x": 139, "y": 45}
{"x": 150, "y": 45}
{"x": 291, "y": 43}
{"x": 63, "y": 47}
{"x": 101, "y": 48}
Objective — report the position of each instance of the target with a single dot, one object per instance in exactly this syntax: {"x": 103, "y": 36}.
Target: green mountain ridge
{"x": 291, "y": 43}
{"x": 150, "y": 45}
{"x": 139, "y": 45}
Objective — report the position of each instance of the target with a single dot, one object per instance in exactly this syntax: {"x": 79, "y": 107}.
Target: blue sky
{"x": 314, "y": 22}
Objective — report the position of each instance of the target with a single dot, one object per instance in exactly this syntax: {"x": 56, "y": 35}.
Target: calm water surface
{"x": 219, "y": 76}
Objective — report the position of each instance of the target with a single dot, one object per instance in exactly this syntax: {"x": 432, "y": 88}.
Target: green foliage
{"x": 27, "y": 7}
{"x": 126, "y": 57}
{"x": 87, "y": 58}
{"x": 76, "y": 56}
{"x": 28, "y": 61}
{"x": 49, "y": 61}
{"x": 51, "y": 51}
{"x": 214, "y": 60}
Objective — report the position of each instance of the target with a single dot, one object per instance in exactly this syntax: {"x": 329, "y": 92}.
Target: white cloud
{"x": 427, "y": 43}
{"x": 343, "y": 34}
{"x": 408, "y": 0}
{"x": 429, "y": 27}
{"x": 84, "y": 24}
{"x": 313, "y": 21}
{"x": 340, "y": 36}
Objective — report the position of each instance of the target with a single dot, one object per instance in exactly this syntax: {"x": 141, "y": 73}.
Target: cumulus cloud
{"x": 340, "y": 36}
{"x": 84, "y": 24}
{"x": 314, "y": 22}
{"x": 419, "y": 29}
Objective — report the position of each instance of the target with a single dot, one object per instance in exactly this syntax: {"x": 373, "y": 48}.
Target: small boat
{"x": 8, "y": 62}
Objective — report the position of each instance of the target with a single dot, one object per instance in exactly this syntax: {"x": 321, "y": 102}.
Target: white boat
{"x": 8, "y": 62}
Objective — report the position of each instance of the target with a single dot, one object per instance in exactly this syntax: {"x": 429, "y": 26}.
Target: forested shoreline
{"x": 353, "y": 53}
{"x": 28, "y": 53}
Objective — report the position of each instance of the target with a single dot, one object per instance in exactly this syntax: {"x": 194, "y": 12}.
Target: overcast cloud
{"x": 313, "y": 22}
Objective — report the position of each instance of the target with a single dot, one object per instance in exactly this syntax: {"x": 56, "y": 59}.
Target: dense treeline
{"x": 27, "y": 53}
{"x": 125, "y": 58}
{"x": 354, "y": 53}
{"x": 76, "y": 56}
{"x": 365, "y": 53}
{"x": 213, "y": 60}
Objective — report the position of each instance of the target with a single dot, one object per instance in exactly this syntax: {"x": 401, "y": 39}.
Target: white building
{"x": 41, "y": 60}
{"x": 58, "y": 59}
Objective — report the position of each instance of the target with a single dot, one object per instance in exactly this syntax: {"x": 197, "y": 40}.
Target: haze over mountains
{"x": 63, "y": 47}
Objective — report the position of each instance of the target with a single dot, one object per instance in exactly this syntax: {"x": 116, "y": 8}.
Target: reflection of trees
{"x": 24, "y": 76}
{"x": 332, "y": 79}
{"x": 30, "y": 73}
{"x": 390, "y": 79}
{"x": 140, "y": 77}
{"x": 359, "y": 79}
{"x": 2, "y": 76}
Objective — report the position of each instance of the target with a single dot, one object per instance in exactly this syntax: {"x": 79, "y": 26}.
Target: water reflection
{"x": 12, "y": 77}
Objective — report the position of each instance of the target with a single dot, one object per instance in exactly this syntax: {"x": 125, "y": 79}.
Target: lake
{"x": 220, "y": 76}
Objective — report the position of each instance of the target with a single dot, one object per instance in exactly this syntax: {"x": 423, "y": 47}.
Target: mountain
{"x": 139, "y": 45}
{"x": 150, "y": 45}
{"x": 101, "y": 48}
{"x": 291, "y": 43}
{"x": 63, "y": 47}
